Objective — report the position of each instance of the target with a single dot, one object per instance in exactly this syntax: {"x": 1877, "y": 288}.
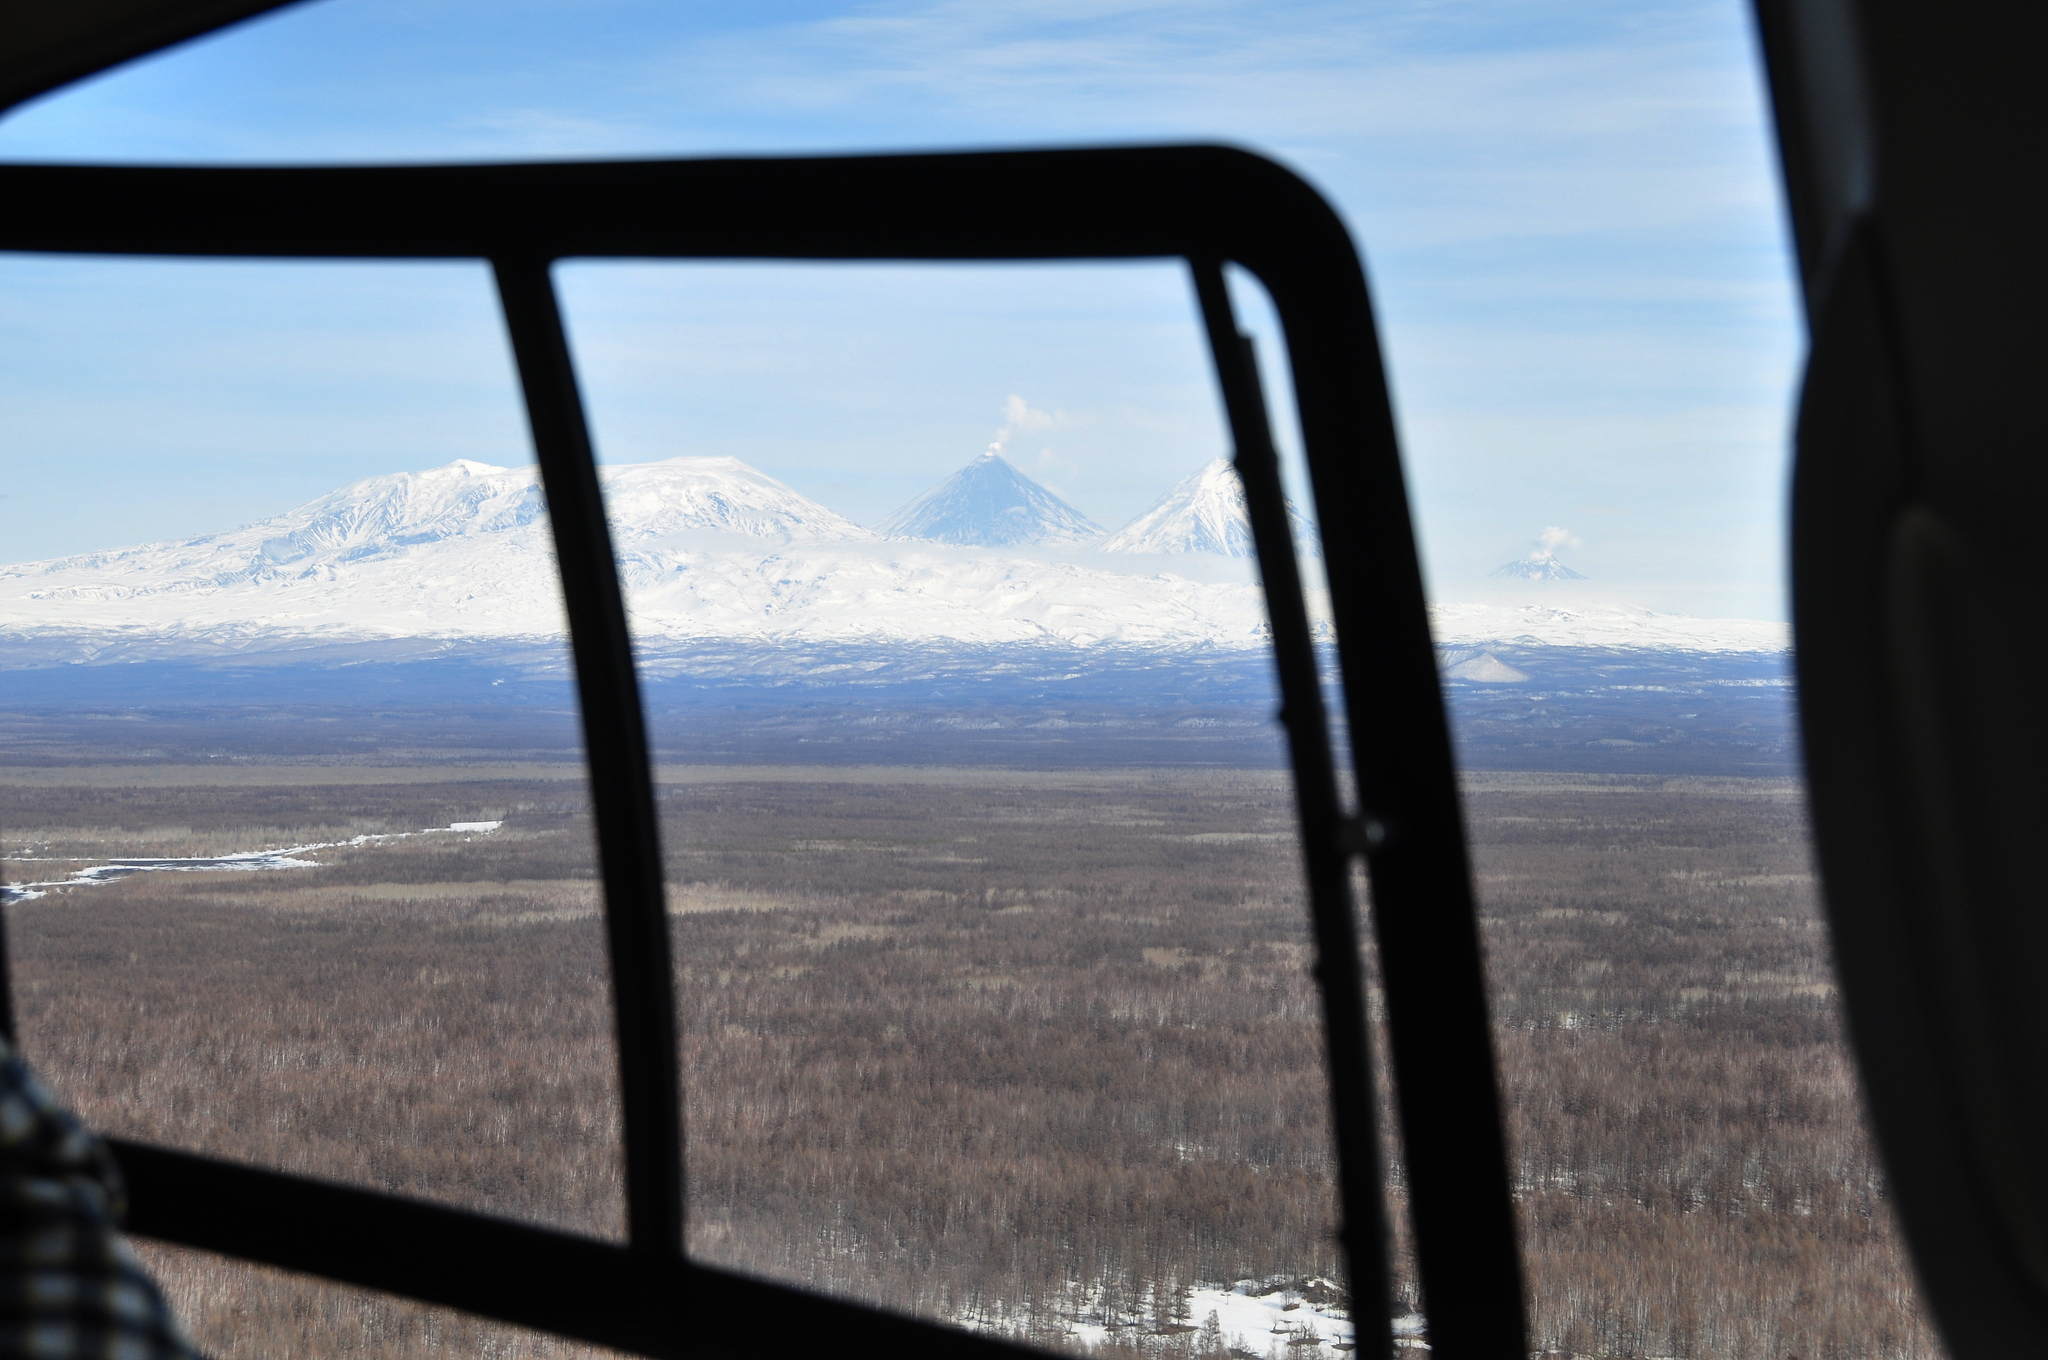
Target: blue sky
{"x": 1568, "y": 211}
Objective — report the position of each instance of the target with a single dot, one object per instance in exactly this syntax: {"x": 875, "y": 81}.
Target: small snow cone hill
{"x": 1205, "y": 513}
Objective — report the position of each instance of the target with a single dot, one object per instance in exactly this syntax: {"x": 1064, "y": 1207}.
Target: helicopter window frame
{"x": 1207, "y": 206}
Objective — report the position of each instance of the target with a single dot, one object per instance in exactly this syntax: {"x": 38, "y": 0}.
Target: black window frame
{"x": 1206, "y": 205}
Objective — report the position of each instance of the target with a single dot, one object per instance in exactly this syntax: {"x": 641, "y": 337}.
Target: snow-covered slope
{"x": 989, "y": 504}
{"x": 929, "y": 592}
{"x": 465, "y": 499}
{"x": 685, "y": 495}
{"x": 417, "y": 515}
{"x": 1204, "y": 513}
{"x": 461, "y": 550}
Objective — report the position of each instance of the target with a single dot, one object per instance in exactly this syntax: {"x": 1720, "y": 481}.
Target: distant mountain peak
{"x": 1204, "y": 513}
{"x": 1538, "y": 566}
{"x": 990, "y": 504}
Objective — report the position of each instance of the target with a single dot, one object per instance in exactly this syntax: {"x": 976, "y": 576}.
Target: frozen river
{"x": 248, "y": 861}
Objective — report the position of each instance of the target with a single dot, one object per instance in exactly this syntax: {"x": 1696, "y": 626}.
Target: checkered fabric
{"x": 70, "y": 1286}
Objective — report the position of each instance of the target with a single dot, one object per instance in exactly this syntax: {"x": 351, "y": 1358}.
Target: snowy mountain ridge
{"x": 380, "y": 517}
{"x": 709, "y": 549}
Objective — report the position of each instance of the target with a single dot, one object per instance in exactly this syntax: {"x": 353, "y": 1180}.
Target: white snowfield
{"x": 1253, "y": 1319}
{"x": 1495, "y": 625}
{"x": 927, "y": 592}
{"x": 1262, "y": 1321}
{"x": 709, "y": 549}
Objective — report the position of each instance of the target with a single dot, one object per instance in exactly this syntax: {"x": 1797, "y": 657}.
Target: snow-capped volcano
{"x": 1204, "y": 513}
{"x": 1537, "y": 567}
{"x": 989, "y": 504}
{"x": 1541, "y": 564}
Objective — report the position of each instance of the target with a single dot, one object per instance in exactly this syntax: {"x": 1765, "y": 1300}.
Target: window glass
{"x": 1583, "y": 288}
{"x": 990, "y": 933}
{"x": 1688, "y": 1149}
{"x": 297, "y": 839}
{"x": 237, "y": 1311}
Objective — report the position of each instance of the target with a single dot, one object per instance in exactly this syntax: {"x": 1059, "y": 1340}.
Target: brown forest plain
{"x": 1021, "y": 1050}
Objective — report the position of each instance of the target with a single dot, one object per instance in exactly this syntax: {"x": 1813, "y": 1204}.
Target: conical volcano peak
{"x": 990, "y": 504}
{"x": 1204, "y": 513}
{"x": 1545, "y": 568}
{"x": 1541, "y": 564}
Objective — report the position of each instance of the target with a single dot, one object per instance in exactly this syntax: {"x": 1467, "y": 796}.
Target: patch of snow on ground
{"x": 1272, "y": 1319}
{"x": 1259, "y": 1320}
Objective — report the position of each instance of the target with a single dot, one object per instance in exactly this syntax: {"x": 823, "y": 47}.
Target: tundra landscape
{"x": 992, "y": 965}
{"x": 1033, "y": 1051}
